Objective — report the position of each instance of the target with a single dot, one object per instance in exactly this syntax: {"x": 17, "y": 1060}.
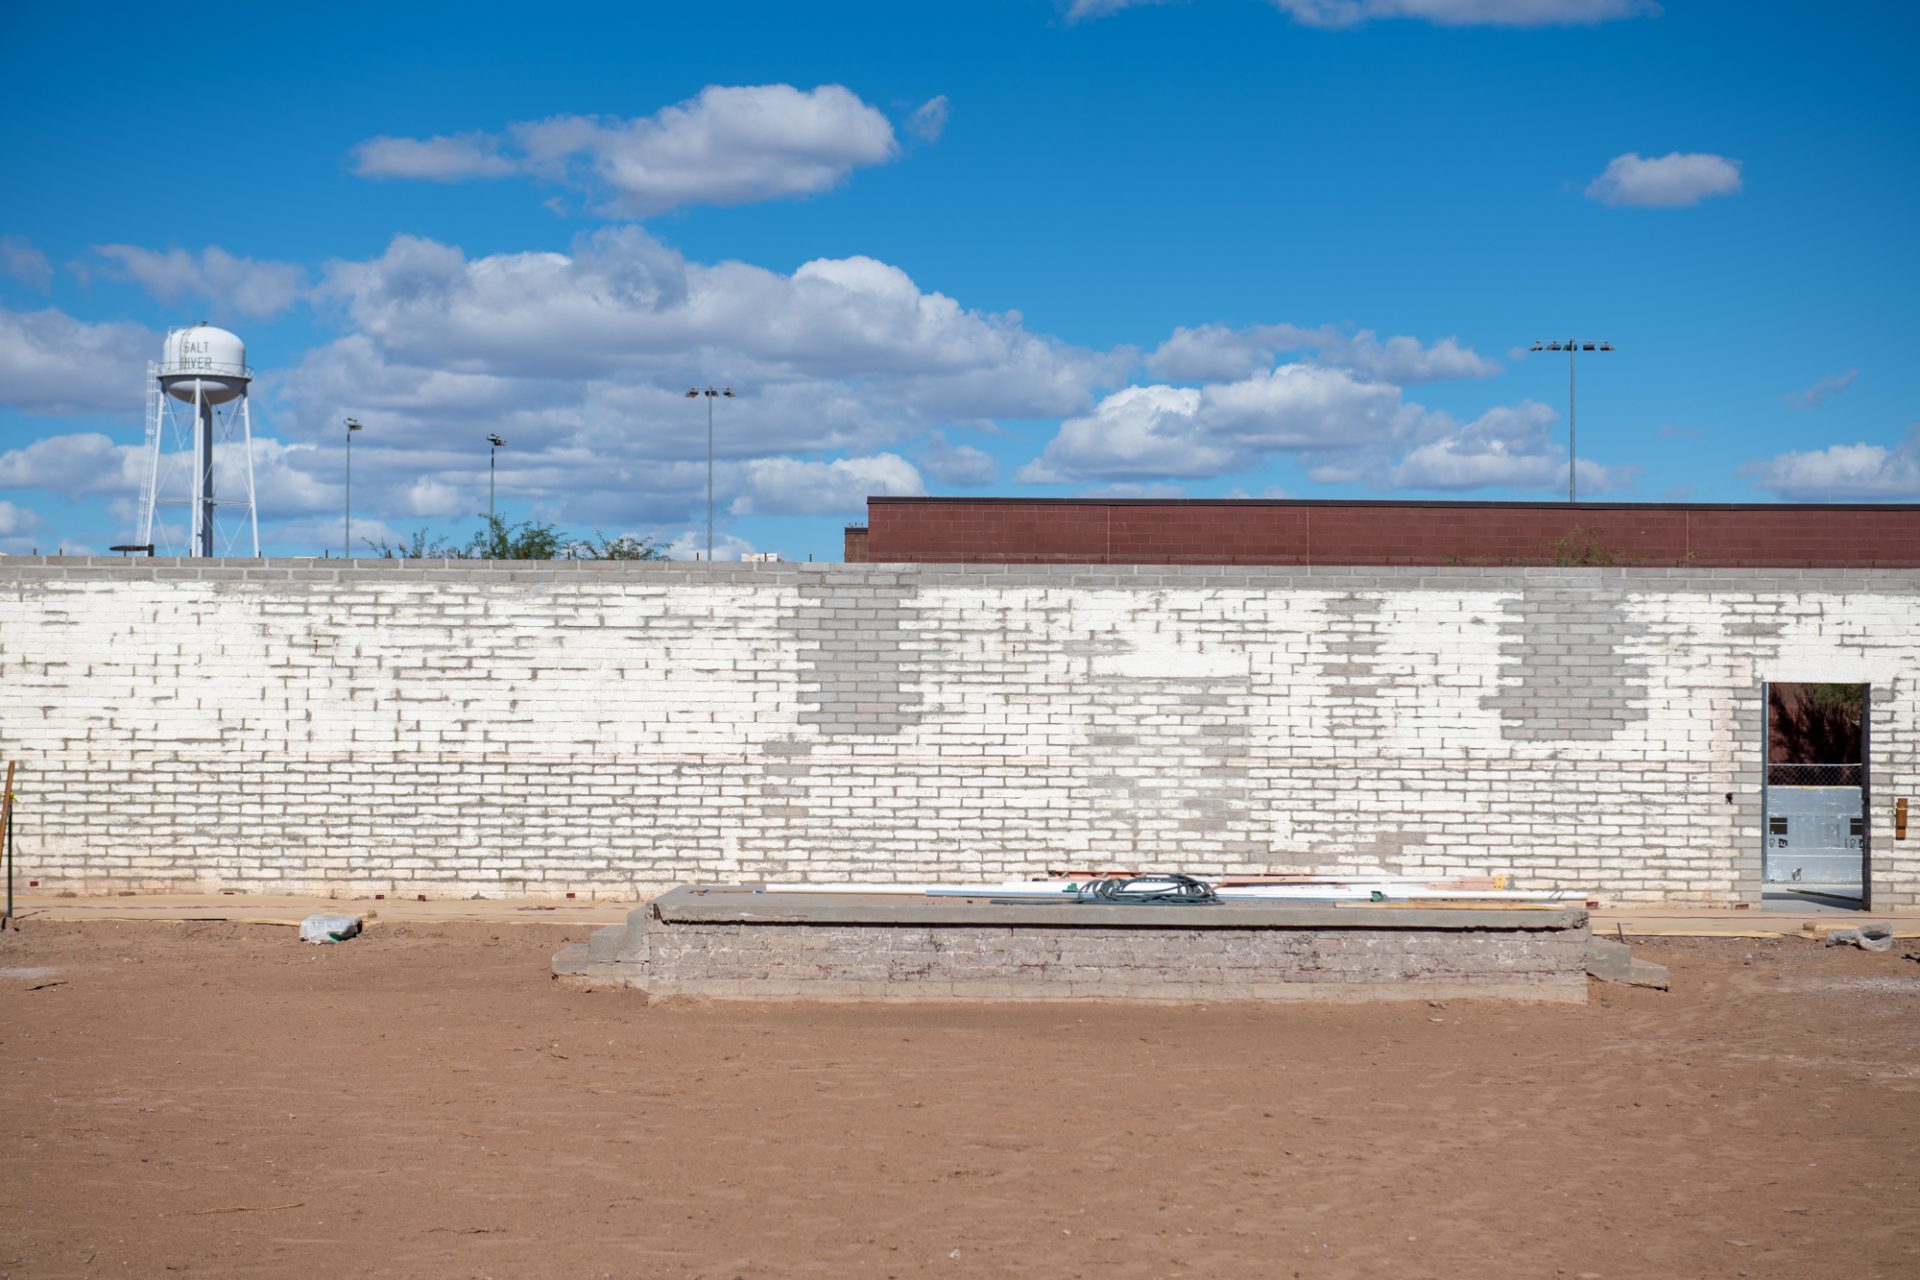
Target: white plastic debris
{"x": 329, "y": 928}
{"x": 1871, "y": 937}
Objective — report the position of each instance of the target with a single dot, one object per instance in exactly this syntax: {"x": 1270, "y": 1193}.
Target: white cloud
{"x": 623, "y": 305}
{"x": 431, "y": 496}
{"x": 791, "y": 487}
{"x": 1501, "y": 447}
{"x": 958, "y": 464}
{"x": 1822, "y": 391}
{"x": 1843, "y": 472}
{"x": 1466, "y": 13}
{"x": 581, "y": 361}
{"x": 1671, "y": 181}
{"x": 1505, "y": 447}
{"x": 1077, "y": 10}
{"x": 52, "y": 364}
{"x": 17, "y": 520}
{"x": 1212, "y": 352}
{"x": 19, "y": 259}
{"x": 1446, "y": 13}
{"x": 1139, "y": 431}
{"x": 1136, "y": 489}
{"x": 449, "y": 158}
{"x": 1302, "y": 406}
{"x": 691, "y": 544}
{"x": 1158, "y": 431}
{"x": 242, "y": 285}
{"x": 929, "y": 119}
{"x": 288, "y": 479}
{"x": 74, "y": 465}
{"x": 1403, "y": 360}
{"x": 729, "y": 145}
{"x": 1358, "y": 432}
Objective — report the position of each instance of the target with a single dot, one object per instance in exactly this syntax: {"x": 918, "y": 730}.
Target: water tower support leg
{"x": 253, "y": 508}
{"x": 204, "y": 409}
{"x": 195, "y": 494}
{"x": 156, "y": 428}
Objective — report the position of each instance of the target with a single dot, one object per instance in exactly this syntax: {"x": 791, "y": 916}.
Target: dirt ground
{"x": 424, "y": 1101}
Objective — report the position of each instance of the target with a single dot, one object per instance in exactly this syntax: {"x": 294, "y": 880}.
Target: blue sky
{"x": 1227, "y": 247}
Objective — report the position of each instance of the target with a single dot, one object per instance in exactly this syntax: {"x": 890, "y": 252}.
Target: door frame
{"x": 1866, "y": 784}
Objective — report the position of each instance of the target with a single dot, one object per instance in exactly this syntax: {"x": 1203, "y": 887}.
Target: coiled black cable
{"x": 1170, "y": 889}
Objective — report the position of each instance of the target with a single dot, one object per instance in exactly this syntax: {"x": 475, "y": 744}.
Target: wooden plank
{"x": 6, "y": 835}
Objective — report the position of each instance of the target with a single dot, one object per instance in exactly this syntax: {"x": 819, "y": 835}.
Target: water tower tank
{"x": 206, "y": 361}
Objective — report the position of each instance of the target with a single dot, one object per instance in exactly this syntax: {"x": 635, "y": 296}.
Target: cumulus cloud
{"x": 52, "y": 364}
{"x": 1505, "y": 447}
{"x": 840, "y": 487}
{"x": 1160, "y": 431}
{"x": 1445, "y": 13}
{"x": 624, "y": 305}
{"x": 850, "y": 376}
{"x": 1139, "y": 431}
{"x": 1822, "y": 391}
{"x": 448, "y": 158}
{"x": 19, "y": 259}
{"x": 16, "y": 520}
{"x": 1354, "y": 431}
{"x": 958, "y": 464}
{"x": 1078, "y": 10}
{"x": 241, "y": 285}
{"x": 1136, "y": 489}
{"x": 728, "y": 145}
{"x": 79, "y": 464}
{"x": 1212, "y": 352}
{"x": 691, "y": 544}
{"x": 86, "y": 464}
{"x": 581, "y": 361}
{"x": 1843, "y": 472}
{"x": 1671, "y": 181}
{"x": 929, "y": 119}
{"x": 1466, "y": 13}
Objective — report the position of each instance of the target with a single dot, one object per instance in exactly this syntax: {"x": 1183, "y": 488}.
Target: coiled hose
{"x": 1171, "y": 889}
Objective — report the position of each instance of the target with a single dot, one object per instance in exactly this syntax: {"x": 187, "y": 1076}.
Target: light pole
{"x": 710, "y": 393}
{"x": 1573, "y": 347}
{"x": 494, "y": 445}
{"x": 347, "y": 534}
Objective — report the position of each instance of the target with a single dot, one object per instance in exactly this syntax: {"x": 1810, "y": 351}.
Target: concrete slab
{"x": 1612, "y": 961}
{"x": 730, "y": 942}
{"x": 717, "y": 904}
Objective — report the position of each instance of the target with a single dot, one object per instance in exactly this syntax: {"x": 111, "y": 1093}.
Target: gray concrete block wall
{"x": 610, "y": 729}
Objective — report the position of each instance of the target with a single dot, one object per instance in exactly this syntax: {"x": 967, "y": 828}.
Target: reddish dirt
{"x": 423, "y": 1101}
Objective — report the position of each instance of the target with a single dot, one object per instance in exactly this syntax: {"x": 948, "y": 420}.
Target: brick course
{"x": 1289, "y": 532}
{"x": 611, "y": 729}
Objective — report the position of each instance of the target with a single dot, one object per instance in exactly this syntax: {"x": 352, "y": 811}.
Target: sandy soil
{"x": 423, "y": 1101}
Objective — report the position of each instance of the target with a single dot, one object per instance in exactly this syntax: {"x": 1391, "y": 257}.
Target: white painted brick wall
{"x": 611, "y": 729}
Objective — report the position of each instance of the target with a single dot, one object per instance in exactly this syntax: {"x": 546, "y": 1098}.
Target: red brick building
{"x": 1303, "y": 532}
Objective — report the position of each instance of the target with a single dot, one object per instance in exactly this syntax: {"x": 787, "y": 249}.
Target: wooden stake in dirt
{"x": 6, "y": 837}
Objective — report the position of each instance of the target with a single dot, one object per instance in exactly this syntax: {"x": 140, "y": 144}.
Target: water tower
{"x": 207, "y": 368}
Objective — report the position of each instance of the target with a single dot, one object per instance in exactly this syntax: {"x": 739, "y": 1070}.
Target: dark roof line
{"x": 1406, "y": 502}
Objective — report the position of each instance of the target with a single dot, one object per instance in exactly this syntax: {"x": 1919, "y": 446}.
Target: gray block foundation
{"x": 735, "y": 943}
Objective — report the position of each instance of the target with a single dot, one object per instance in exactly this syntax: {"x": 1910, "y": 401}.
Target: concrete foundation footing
{"x": 1612, "y": 961}
{"x": 730, "y": 942}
